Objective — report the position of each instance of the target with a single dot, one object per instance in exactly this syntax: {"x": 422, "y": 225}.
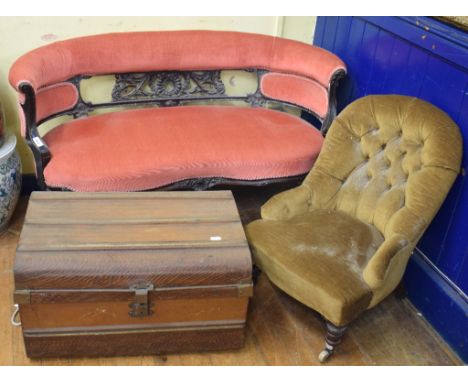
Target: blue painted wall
{"x": 422, "y": 57}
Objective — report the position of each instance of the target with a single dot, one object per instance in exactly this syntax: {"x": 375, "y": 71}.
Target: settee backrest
{"x": 297, "y": 73}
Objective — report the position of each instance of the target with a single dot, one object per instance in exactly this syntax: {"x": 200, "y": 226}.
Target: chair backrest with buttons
{"x": 389, "y": 161}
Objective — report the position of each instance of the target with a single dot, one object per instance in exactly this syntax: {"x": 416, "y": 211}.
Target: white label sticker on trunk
{"x": 215, "y": 238}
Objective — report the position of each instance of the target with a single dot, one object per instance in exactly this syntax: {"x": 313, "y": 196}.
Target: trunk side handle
{"x": 15, "y": 315}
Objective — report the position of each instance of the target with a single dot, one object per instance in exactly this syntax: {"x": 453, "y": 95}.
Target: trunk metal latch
{"x": 141, "y": 307}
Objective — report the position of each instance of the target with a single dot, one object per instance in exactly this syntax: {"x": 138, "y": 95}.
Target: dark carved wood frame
{"x": 42, "y": 154}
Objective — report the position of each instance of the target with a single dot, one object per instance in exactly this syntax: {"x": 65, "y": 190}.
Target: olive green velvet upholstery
{"x": 340, "y": 242}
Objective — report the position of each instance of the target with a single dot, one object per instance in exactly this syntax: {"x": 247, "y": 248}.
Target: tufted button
{"x": 384, "y": 145}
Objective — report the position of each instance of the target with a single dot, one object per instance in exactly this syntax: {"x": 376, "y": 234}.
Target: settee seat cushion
{"x": 142, "y": 149}
{"x": 318, "y": 257}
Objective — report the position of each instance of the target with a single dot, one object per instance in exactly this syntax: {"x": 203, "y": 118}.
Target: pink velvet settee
{"x": 161, "y": 136}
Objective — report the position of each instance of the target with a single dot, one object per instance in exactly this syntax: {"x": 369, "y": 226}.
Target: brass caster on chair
{"x": 332, "y": 339}
{"x": 256, "y": 271}
{"x": 324, "y": 355}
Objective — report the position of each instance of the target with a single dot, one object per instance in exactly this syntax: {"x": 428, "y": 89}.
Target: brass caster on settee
{"x": 332, "y": 339}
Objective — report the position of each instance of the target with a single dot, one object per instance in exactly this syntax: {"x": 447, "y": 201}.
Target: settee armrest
{"x": 379, "y": 266}
{"x": 287, "y": 204}
{"x": 29, "y": 129}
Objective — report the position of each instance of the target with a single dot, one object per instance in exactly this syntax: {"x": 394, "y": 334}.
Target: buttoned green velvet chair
{"x": 340, "y": 242}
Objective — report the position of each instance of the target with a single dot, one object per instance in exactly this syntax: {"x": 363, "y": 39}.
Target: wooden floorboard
{"x": 280, "y": 330}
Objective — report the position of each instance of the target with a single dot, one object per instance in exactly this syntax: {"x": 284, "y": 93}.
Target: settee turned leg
{"x": 255, "y": 274}
{"x": 332, "y": 339}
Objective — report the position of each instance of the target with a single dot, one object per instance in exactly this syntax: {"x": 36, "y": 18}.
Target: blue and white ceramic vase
{"x": 10, "y": 179}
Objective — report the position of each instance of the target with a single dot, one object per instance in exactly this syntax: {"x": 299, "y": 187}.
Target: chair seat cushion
{"x": 148, "y": 148}
{"x": 318, "y": 258}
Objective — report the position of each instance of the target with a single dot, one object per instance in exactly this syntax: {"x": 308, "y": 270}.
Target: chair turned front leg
{"x": 332, "y": 339}
{"x": 256, "y": 271}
